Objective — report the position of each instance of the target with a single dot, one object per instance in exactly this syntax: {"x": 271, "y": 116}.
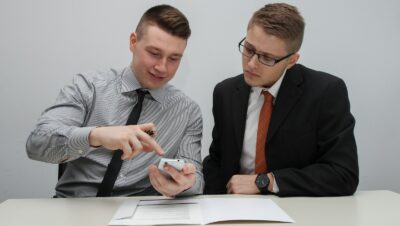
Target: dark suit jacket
{"x": 310, "y": 147}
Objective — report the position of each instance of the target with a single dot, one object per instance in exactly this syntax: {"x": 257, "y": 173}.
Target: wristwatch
{"x": 262, "y": 183}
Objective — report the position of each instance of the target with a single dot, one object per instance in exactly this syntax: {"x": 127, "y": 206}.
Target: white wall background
{"x": 43, "y": 43}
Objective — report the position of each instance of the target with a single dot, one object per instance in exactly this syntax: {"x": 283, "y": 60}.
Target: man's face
{"x": 156, "y": 56}
{"x": 256, "y": 73}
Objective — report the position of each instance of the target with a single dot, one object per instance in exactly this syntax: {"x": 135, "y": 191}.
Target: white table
{"x": 363, "y": 209}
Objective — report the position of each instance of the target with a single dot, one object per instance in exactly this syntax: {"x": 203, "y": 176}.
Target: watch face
{"x": 262, "y": 181}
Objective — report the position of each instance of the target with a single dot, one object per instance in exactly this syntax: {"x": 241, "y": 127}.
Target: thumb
{"x": 147, "y": 126}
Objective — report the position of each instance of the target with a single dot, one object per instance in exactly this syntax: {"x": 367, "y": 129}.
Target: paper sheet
{"x": 230, "y": 209}
{"x": 159, "y": 212}
{"x": 198, "y": 211}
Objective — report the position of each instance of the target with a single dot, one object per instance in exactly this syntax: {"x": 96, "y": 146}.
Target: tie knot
{"x": 267, "y": 96}
{"x": 141, "y": 93}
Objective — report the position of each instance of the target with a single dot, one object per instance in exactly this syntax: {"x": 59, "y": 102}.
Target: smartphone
{"x": 176, "y": 163}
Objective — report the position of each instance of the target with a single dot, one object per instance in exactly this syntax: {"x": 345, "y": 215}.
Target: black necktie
{"x": 107, "y": 185}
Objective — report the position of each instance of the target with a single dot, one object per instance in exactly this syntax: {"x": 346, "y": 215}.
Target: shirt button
{"x": 80, "y": 151}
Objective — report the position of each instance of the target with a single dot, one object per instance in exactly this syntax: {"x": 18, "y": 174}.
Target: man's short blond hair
{"x": 283, "y": 21}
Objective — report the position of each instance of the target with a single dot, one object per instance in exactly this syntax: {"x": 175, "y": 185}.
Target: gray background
{"x": 43, "y": 43}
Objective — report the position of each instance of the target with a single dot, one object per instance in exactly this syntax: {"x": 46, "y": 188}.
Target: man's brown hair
{"x": 283, "y": 21}
{"x": 166, "y": 17}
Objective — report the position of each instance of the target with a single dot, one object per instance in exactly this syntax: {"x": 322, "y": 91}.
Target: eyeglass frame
{"x": 240, "y": 44}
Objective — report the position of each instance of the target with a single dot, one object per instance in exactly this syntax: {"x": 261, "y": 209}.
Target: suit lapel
{"x": 240, "y": 100}
{"x": 289, "y": 93}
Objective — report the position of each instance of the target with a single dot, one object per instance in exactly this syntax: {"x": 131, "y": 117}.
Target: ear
{"x": 132, "y": 41}
{"x": 293, "y": 60}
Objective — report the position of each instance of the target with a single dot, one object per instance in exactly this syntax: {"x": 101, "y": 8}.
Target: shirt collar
{"x": 273, "y": 90}
{"x": 129, "y": 83}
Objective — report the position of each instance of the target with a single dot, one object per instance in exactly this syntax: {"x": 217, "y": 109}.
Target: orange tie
{"x": 263, "y": 123}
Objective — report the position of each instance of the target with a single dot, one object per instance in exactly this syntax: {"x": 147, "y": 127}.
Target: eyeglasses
{"x": 266, "y": 60}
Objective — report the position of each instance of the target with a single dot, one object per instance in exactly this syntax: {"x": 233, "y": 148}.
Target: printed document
{"x": 197, "y": 211}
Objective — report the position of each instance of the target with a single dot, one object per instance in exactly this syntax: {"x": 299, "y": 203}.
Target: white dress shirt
{"x": 256, "y": 100}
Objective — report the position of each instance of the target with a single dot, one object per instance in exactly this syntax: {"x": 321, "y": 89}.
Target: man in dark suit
{"x": 280, "y": 127}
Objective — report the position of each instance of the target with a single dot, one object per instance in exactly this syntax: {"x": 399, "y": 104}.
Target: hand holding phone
{"x": 176, "y": 163}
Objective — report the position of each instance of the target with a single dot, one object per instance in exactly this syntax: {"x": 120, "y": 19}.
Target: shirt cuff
{"x": 79, "y": 141}
{"x": 275, "y": 188}
{"x": 196, "y": 189}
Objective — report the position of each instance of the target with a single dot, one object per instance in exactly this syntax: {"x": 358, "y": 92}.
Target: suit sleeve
{"x": 212, "y": 163}
{"x": 335, "y": 170}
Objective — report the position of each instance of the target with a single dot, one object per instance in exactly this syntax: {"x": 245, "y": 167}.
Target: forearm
{"x": 214, "y": 178}
{"x": 192, "y": 155}
{"x": 197, "y": 187}
{"x": 57, "y": 144}
{"x": 190, "y": 150}
{"x": 214, "y": 182}
{"x": 60, "y": 134}
{"x": 316, "y": 180}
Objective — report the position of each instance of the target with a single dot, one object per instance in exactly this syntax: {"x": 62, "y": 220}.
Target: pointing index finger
{"x": 151, "y": 143}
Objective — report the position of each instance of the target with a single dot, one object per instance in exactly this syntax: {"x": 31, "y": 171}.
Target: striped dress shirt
{"x": 106, "y": 98}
